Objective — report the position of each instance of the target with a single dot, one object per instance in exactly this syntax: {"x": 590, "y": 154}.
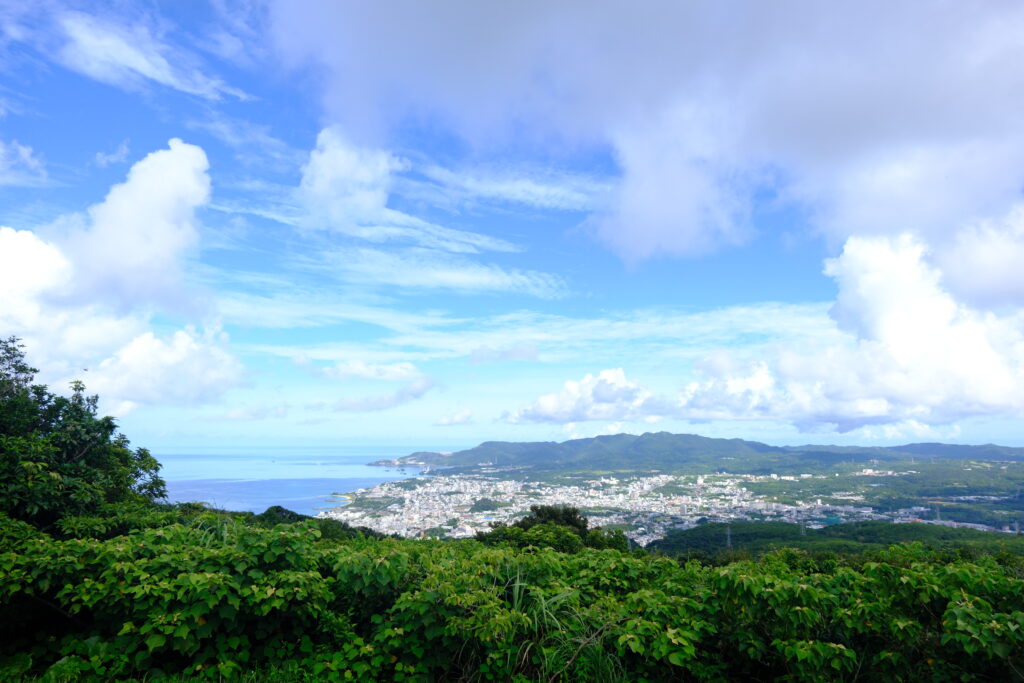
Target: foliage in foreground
{"x": 220, "y": 598}
{"x": 57, "y": 456}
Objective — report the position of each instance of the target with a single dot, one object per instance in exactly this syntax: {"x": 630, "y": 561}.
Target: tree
{"x": 57, "y": 456}
{"x": 563, "y": 515}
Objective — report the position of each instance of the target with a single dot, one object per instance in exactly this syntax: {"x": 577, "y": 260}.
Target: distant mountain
{"x": 686, "y": 453}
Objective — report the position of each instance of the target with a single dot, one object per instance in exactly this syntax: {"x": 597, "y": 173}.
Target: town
{"x": 645, "y": 507}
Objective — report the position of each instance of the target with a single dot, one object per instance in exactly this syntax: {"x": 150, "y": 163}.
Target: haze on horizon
{"x": 249, "y": 223}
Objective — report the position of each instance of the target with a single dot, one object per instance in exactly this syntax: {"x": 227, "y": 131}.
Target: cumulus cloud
{"x": 867, "y": 126}
{"x": 150, "y": 370}
{"x": 82, "y": 300}
{"x": 605, "y": 396}
{"x": 20, "y": 166}
{"x": 908, "y": 358}
{"x": 915, "y": 354}
{"x": 349, "y": 185}
{"x": 129, "y": 247}
{"x": 126, "y": 363}
{"x": 572, "y": 430}
{"x": 34, "y": 274}
{"x": 29, "y": 266}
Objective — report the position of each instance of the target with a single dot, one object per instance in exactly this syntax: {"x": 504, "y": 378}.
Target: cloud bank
{"x": 863, "y": 116}
{"x": 911, "y": 355}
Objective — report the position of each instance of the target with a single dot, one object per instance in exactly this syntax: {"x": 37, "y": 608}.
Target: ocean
{"x": 253, "y": 479}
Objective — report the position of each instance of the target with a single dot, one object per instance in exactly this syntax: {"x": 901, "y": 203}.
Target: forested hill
{"x": 690, "y": 453}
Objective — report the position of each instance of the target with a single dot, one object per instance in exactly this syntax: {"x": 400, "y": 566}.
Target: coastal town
{"x": 645, "y": 507}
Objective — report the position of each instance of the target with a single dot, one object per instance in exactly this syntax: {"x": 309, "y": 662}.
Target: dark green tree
{"x": 562, "y": 515}
{"x": 57, "y": 456}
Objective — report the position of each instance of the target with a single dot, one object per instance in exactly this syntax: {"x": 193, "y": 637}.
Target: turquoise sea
{"x": 300, "y": 479}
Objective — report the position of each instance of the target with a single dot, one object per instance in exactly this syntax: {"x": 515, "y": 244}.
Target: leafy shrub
{"x": 220, "y": 597}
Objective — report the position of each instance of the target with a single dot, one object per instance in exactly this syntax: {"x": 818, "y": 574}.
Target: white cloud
{"x": 20, "y": 166}
{"x": 415, "y": 384}
{"x": 461, "y": 417}
{"x": 485, "y": 354}
{"x": 82, "y": 301}
{"x": 907, "y": 359}
{"x": 539, "y": 189}
{"x": 382, "y": 371}
{"x": 418, "y": 269}
{"x": 253, "y": 142}
{"x": 114, "y": 353}
{"x": 346, "y": 188}
{"x": 571, "y": 430}
{"x": 257, "y": 413}
{"x": 409, "y": 392}
{"x": 869, "y": 126}
{"x": 127, "y": 57}
{"x": 681, "y": 193}
{"x": 62, "y": 339}
{"x": 909, "y": 430}
{"x": 982, "y": 264}
{"x": 150, "y": 370}
{"x": 606, "y": 396}
{"x": 118, "y": 156}
{"x": 289, "y": 306}
{"x": 348, "y": 185}
{"x": 915, "y": 354}
{"x": 129, "y": 247}
{"x": 29, "y": 265}
{"x": 664, "y": 337}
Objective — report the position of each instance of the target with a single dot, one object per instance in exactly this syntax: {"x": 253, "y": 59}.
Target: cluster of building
{"x": 646, "y": 507}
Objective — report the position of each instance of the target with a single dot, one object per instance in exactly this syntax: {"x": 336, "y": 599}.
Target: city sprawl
{"x": 646, "y": 507}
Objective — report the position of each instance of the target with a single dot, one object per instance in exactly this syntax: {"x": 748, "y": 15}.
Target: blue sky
{"x": 432, "y": 224}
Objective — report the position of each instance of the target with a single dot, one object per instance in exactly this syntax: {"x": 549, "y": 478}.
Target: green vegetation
{"x": 216, "y": 597}
{"x": 486, "y": 505}
{"x": 720, "y": 542}
{"x": 57, "y": 458}
{"x": 969, "y": 491}
{"x": 560, "y": 527}
{"x": 100, "y": 581}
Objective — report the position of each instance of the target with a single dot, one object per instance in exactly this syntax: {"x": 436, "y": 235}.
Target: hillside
{"x": 689, "y": 454}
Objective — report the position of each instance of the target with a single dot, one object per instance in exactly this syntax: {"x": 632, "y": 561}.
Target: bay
{"x": 301, "y": 479}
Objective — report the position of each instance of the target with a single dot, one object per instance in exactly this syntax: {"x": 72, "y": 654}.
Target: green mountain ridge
{"x": 687, "y": 454}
